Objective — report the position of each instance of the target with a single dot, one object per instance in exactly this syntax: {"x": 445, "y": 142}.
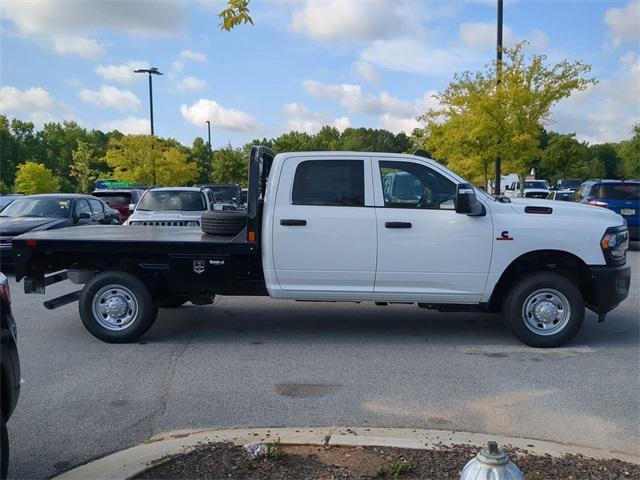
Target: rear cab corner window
{"x": 413, "y": 185}
{"x": 335, "y": 183}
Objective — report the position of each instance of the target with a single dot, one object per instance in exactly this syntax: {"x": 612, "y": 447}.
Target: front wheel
{"x": 117, "y": 307}
{"x": 544, "y": 309}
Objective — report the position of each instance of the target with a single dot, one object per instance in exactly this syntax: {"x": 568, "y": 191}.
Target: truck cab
{"x": 353, "y": 226}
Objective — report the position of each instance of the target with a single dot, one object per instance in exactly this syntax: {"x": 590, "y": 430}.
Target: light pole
{"x": 497, "y": 182}
{"x": 151, "y": 71}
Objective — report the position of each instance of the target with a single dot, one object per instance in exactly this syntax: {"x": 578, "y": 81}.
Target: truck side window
{"x": 411, "y": 185}
{"x": 330, "y": 183}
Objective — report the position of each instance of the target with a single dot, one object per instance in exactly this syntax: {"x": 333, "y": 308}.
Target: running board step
{"x": 62, "y": 301}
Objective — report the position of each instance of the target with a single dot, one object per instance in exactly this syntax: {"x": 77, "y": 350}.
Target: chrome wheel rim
{"x": 115, "y": 307}
{"x": 546, "y": 312}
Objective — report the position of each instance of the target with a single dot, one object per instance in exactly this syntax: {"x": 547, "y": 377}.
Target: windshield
{"x": 4, "y": 201}
{"x": 161, "y": 200}
{"x": 569, "y": 183}
{"x": 39, "y": 207}
{"x": 536, "y": 184}
{"x": 618, "y": 191}
{"x": 113, "y": 199}
{"x": 225, "y": 194}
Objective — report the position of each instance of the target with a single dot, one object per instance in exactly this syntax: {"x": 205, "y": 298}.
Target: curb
{"x": 128, "y": 463}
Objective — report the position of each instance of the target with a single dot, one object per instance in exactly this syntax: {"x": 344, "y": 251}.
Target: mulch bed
{"x": 293, "y": 462}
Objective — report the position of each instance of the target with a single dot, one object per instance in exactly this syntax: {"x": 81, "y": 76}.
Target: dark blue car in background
{"x": 621, "y": 196}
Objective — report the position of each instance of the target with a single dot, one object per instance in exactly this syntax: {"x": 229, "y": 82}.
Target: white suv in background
{"x": 532, "y": 189}
{"x": 172, "y": 207}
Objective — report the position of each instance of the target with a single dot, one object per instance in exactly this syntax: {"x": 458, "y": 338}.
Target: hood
{"x": 567, "y": 209}
{"x": 12, "y": 226}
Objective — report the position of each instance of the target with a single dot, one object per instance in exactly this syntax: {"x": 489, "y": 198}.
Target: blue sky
{"x": 305, "y": 63}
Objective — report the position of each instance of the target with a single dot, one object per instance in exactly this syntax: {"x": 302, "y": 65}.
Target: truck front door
{"x": 426, "y": 251}
{"x": 324, "y": 230}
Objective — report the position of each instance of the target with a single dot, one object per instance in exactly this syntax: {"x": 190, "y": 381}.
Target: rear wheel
{"x": 545, "y": 309}
{"x": 117, "y": 307}
{"x": 229, "y": 222}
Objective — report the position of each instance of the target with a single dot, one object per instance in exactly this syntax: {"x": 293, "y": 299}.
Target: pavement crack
{"x": 149, "y": 420}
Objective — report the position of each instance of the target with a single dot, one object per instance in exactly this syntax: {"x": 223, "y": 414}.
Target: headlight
{"x": 615, "y": 243}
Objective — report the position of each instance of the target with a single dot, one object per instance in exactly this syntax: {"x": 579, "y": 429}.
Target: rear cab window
{"x": 618, "y": 191}
{"x": 331, "y": 183}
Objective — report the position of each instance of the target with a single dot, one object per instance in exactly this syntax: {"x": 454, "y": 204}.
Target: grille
{"x": 163, "y": 223}
{"x": 536, "y": 195}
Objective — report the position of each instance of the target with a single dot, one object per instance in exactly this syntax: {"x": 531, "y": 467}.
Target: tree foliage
{"x": 33, "y": 178}
{"x": 478, "y": 119}
{"x": 230, "y": 165}
{"x": 236, "y": 13}
{"x": 135, "y": 158}
{"x": 83, "y": 167}
{"x": 203, "y": 159}
{"x": 629, "y": 151}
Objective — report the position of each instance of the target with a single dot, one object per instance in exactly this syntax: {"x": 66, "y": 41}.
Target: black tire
{"x": 226, "y": 223}
{"x": 4, "y": 448}
{"x": 561, "y": 312}
{"x": 172, "y": 301}
{"x": 131, "y": 291}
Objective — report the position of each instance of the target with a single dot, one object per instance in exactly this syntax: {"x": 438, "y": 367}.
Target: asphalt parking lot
{"x": 261, "y": 362}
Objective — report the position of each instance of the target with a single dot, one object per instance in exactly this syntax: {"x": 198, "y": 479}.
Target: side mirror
{"x": 132, "y": 207}
{"x": 82, "y": 216}
{"x": 467, "y": 202}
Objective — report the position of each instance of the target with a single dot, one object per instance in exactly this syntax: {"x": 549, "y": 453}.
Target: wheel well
{"x": 4, "y": 393}
{"x": 557, "y": 261}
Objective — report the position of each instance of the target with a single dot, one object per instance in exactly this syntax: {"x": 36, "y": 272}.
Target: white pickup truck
{"x": 353, "y": 227}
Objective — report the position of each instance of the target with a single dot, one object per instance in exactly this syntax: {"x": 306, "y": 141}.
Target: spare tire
{"x": 229, "y": 222}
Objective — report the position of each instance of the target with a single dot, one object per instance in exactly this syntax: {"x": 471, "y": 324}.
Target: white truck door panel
{"x": 426, "y": 251}
{"x": 324, "y": 234}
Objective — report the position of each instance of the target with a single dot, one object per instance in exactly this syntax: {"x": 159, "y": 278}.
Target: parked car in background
{"x": 568, "y": 184}
{"x": 49, "y": 212}
{"x": 172, "y": 207}
{"x": 9, "y": 371}
{"x": 244, "y": 195}
{"x": 7, "y": 199}
{"x": 228, "y": 196}
{"x": 565, "y": 195}
{"x": 621, "y": 196}
{"x": 121, "y": 200}
{"x": 532, "y": 189}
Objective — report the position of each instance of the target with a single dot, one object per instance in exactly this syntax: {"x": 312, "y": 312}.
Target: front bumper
{"x": 609, "y": 286}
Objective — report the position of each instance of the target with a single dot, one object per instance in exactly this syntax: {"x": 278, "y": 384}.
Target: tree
{"x": 605, "y": 156}
{"x": 477, "y": 120}
{"x": 566, "y": 157}
{"x": 629, "y": 152}
{"x": 231, "y": 165}
{"x": 83, "y": 167}
{"x": 133, "y": 158}
{"x": 35, "y": 178}
{"x": 202, "y": 158}
{"x": 236, "y": 13}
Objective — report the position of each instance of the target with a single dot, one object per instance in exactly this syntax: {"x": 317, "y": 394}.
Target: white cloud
{"x": 76, "y": 45}
{"x": 414, "y": 56}
{"x": 483, "y": 35}
{"x": 624, "y": 23}
{"x": 191, "y": 84}
{"x": 397, "y": 124}
{"x": 187, "y": 56}
{"x": 36, "y": 104}
{"x": 64, "y": 25}
{"x": 607, "y": 111}
{"x": 122, "y": 73}
{"x": 128, "y": 126}
{"x": 354, "y": 100}
{"x": 329, "y": 20}
{"x": 109, "y": 96}
{"x": 226, "y": 118}
{"x": 301, "y": 119}
{"x": 366, "y": 72}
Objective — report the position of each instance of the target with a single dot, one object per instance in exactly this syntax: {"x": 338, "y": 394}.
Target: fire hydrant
{"x": 491, "y": 464}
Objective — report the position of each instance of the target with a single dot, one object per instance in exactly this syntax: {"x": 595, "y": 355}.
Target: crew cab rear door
{"x": 426, "y": 251}
{"x": 324, "y": 226}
